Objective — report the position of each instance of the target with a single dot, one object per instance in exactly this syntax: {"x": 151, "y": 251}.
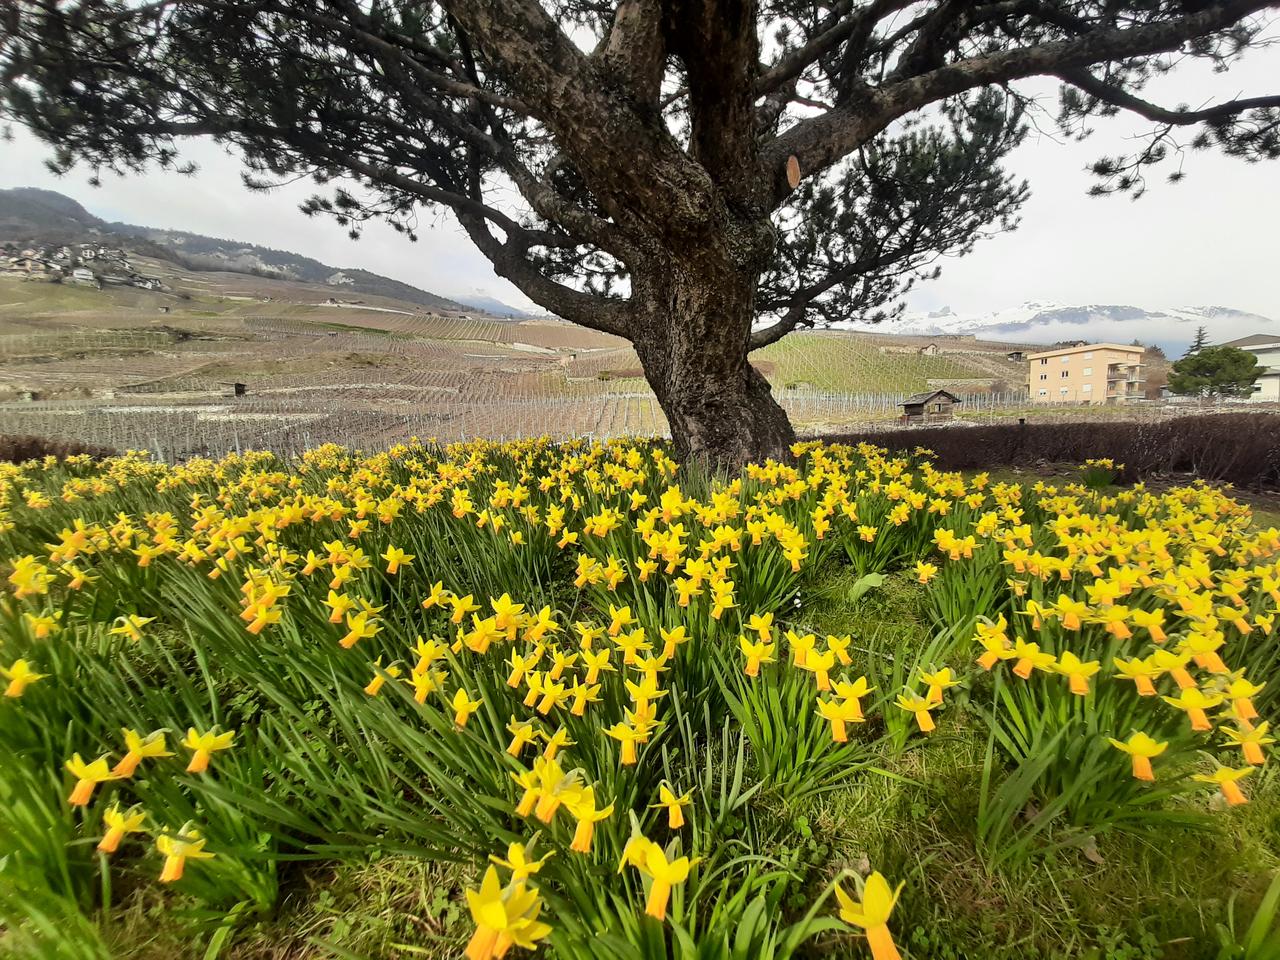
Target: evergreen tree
{"x": 1199, "y": 343}
{"x": 1216, "y": 372}
{"x": 701, "y": 177}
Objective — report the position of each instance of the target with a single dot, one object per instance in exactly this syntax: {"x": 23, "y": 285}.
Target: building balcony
{"x": 1129, "y": 375}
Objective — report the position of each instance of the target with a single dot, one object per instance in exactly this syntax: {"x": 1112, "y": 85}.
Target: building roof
{"x": 1128, "y": 347}
{"x": 926, "y": 397}
{"x": 1254, "y": 340}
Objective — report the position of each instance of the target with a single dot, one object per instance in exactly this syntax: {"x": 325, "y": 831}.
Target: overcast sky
{"x": 1213, "y": 239}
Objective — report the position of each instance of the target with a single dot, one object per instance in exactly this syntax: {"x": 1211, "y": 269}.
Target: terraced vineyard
{"x": 152, "y": 369}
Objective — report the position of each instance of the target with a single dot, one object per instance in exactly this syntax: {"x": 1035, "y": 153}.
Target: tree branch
{"x": 598, "y": 313}
{"x": 1099, "y": 88}
{"x": 821, "y": 141}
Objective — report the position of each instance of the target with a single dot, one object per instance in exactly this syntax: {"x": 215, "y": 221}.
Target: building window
{"x": 1044, "y": 393}
{"x": 1066, "y": 359}
{"x": 1065, "y": 374}
{"x": 1087, "y": 388}
{"x": 1063, "y": 391}
{"x": 1044, "y": 376}
{"x": 1043, "y": 361}
{"x": 1089, "y": 355}
{"x": 1088, "y": 371}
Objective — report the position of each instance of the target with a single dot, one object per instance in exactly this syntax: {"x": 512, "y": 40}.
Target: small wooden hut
{"x": 932, "y": 407}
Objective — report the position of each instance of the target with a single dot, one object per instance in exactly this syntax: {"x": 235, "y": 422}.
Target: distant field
{"x": 133, "y": 368}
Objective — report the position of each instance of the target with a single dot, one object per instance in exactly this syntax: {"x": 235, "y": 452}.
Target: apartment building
{"x": 1101, "y": 373}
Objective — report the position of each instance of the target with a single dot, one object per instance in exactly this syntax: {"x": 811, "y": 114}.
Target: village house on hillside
{"x": 92, "y": 264}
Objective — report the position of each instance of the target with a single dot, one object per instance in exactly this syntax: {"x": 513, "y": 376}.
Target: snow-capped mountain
{"x": 1043, "y": 322}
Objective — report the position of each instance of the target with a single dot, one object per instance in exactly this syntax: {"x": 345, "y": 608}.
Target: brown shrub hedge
{"x": 17, "y": 449}
{"x": 1238, "y": 448}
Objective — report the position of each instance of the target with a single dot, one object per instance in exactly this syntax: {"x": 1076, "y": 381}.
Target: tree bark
{"x": 692, "y": 339}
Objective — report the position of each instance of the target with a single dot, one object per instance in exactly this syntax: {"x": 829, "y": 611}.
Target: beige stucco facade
{"x": 1101, "y": 373}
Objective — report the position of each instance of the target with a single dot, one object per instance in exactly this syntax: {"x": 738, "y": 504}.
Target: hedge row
{"x": 17, "y": 449}
{"x": 1238, "y": 448}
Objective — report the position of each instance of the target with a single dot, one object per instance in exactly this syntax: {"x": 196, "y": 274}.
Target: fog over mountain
{"x": 1171, "y": 328}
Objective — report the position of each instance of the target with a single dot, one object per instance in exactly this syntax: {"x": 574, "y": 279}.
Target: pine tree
{"x": 1214, "y": 372}
{"x": 1199, "y": 343}
{"x": 701, "y": 177}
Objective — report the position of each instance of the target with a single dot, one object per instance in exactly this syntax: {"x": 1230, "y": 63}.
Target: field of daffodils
{"x": 632, "y": 710}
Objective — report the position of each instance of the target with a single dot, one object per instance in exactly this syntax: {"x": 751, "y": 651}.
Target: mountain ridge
{"x": 31, "y": 213}
{"x": 1046, "y": 321}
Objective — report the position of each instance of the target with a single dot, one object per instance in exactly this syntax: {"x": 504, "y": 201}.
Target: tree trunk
{"x": 692, "y": 343}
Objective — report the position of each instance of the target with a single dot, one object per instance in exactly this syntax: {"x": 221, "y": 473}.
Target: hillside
{"x": 30, "y": 214}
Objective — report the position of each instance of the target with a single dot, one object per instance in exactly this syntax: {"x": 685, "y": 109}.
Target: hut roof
{"x": 926, "y": 397}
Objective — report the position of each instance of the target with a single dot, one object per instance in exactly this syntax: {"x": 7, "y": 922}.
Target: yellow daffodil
{"x": 380, "y": 676}
{"x": 504, "y": 918}
{"x": 595, "y": 663}
{"x": 801, "y": 645}
{"x": 131, "y": 626}
{"x": 437, "y": 596}
{"x": 360, "y": 626}
{"x": 673, "y": 804}
{"x": 118, "y": 824}
{"x": 1241, "y": 693}
{"x": 1227, "y": 779}
{"x": 1030, "y": 657}
{"x": 204, "y": 745}
{"x": 138, "y": 748}
{"x": 919, "y": 707}
{"x": 1076, "y": 671}
{"x": 937, "y": 682}
{"x": 1141, "y": 748}
{"x": 88, "y": 776}
{"x": 396, "y": 558}
{"x": 555, "y": 743}
{"x": 583, "y": 809}
{"x": 762, "y": 624}
{"x": 620, "y": 617}
{"x": 672, "y": 639}
{"x": 1195, "y": 702}
{"x": 1141, "y": 672}
{"x": 756, "y": 654}
{"x": 628, "y": 736}
{"x": 820, "y": 664}
{"x": 463, "y": 707}
{"x": 20, "y": 676}
{"x": 852, "y": 692}
{"x": 651, "y": 860}
{"x": 461, "y": 607}
{"x": 43, "y": 625}
{"x": 177, "y": 849}
{"x": 518, "y": 861}
{"x": 1174, "y": 664}
{"x": 839, "y": 713}
{"x": 872, "y": 914}
{"x": 522, "y": 733}
{"x": 1250, "y": 741}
